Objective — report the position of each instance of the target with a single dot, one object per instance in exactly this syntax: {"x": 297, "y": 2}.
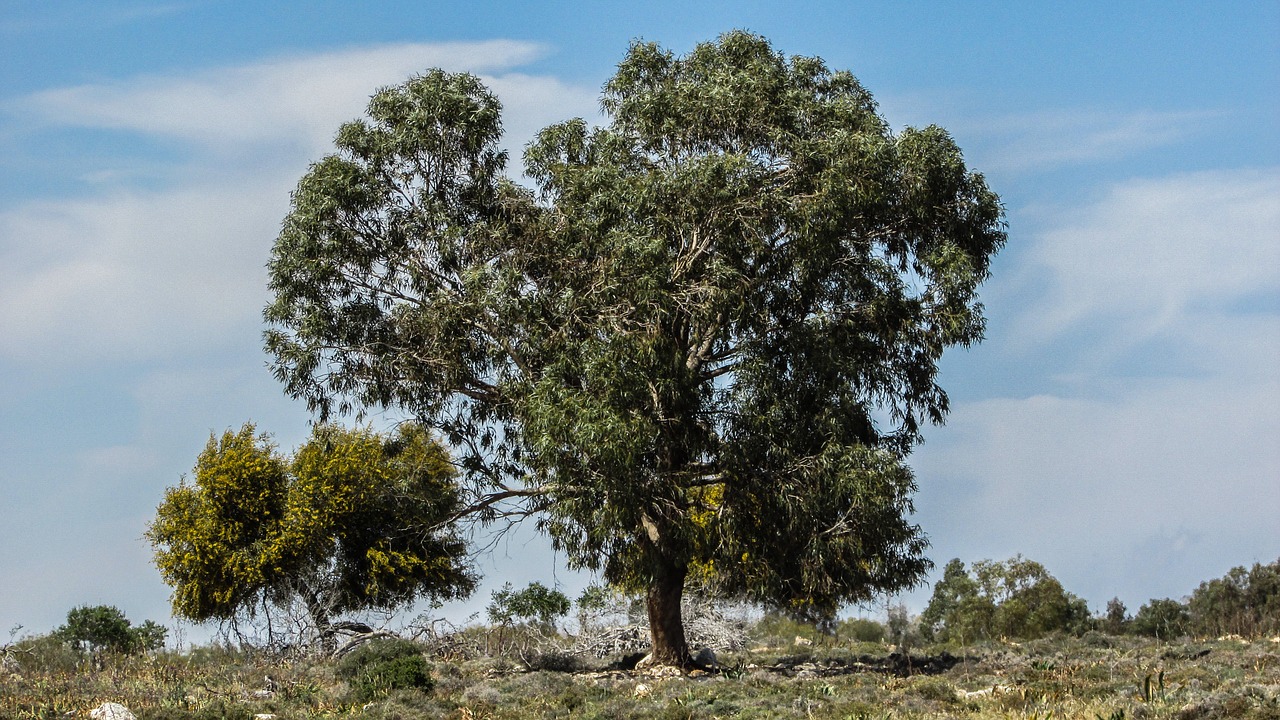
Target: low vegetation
{"x": 1003, "y": 640}
{"x": 1092, "y": 676}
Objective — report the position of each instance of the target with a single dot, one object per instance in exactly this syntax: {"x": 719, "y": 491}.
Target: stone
{"x": 111, "y": 711}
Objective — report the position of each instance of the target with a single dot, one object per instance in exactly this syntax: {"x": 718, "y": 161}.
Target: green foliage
{"x": 861, "y": 630}
{"x": 1016, "y": 598}
{"x": 780, "y": 630}
{"x": 1164, "y": 619}
{"x": 377, "y": 667}
{"x": 535, "y": 604}
{"x": 105, "y": 628}
{"x": 101, "y": 627}
{"x": 1060, "y": 678}
{"x": 150, "y": 636}
{"x": 1244, "y": 602}
{"x": 1117, "y": 620}
{"x": 45, "y": 653}
{"x": 708, "y": 344}
{"x": 354, "y": 520}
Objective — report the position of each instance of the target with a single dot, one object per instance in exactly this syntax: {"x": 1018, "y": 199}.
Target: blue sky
{"x": 1119, "y": 424}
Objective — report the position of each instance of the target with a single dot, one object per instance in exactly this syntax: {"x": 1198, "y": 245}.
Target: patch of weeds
{"x": 934, "y": 688}
{"x": 409, "y": 705}
{"x": 217, "y": 710}
{"x": 46, "y": 654}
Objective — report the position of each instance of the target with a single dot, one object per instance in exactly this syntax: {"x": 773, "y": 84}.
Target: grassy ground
{"x": 1091, "y": 677}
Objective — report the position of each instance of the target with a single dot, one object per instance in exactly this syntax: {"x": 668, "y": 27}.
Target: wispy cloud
{"x": 291, "y": 101}
{"x": 1037, "y": 142}
{"x": 1156, "y": 256}
{"x": 130, "y": 273}
{"x": 44, "y": 16}
{"x": 1099, "y": 475}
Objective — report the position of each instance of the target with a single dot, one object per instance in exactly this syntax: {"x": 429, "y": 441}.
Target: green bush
{"x": 778, "y": 629}
{"x": 101, "y": 627}
{"x": 555, "y": 661}
{"x": 376, "y": 668}
{"x": 861, "y": 630}
{"x": 45, "y": 653}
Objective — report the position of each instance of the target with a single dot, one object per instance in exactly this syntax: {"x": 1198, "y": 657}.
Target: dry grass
{"x": 1093, "y": 677}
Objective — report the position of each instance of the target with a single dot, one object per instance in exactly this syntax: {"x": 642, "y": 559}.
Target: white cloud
{"x": 1106, "y": 476}
{"x": 1104, "y": 491}
{"x": 129, "y": 274}
{"x": 1159, "y": 256}
{"x": 288, "y": 101}
{"x": 134, "y": 274}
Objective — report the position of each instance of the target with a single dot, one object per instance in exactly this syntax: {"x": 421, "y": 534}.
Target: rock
{"x": 641, "y": 690}
{"x": 993, "y": 691}
{"x": 803, "y": 641}
{"x": 111, "y": 711}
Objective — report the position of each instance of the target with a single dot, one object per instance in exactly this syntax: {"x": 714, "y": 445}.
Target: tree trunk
{"x": 666, "y": 624}
{"x": 318, "y": 613}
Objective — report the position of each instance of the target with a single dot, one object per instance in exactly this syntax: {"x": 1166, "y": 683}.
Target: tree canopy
{"x": 353, "y": 521}
{"x": 1015, "y": 598}
{"x": 708, "y": 340}
{"x": 105, "y": 628}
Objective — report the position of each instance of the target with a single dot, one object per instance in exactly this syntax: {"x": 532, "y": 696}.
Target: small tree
{"x": 1163, "y": 619}
{"x": 354, "y": 521}
{"x": 1117, "y": 620}
{"x": 536, "y": 604}
{"x": 101, "y": 627}
{"x": 105, "y": 628}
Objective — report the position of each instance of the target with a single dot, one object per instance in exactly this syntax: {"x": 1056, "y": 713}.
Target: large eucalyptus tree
{"x": 705, "y": 345}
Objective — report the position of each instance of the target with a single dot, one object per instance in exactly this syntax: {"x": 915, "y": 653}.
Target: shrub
{"x": 861, "y": 630}
{"x": 380, "y": 666}
{"x": 554, "y": 661}
{"x": 779, "y": 629}
{"x": 45, "y": 653}
{"x": 1117, "y": 620}
{"x": 101, "y": 627}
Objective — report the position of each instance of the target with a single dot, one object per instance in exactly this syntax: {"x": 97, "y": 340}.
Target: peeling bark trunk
{"x": 666, "y": 623}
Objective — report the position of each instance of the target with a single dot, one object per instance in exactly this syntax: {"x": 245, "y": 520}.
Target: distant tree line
{"x": 1018, "y": 598}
